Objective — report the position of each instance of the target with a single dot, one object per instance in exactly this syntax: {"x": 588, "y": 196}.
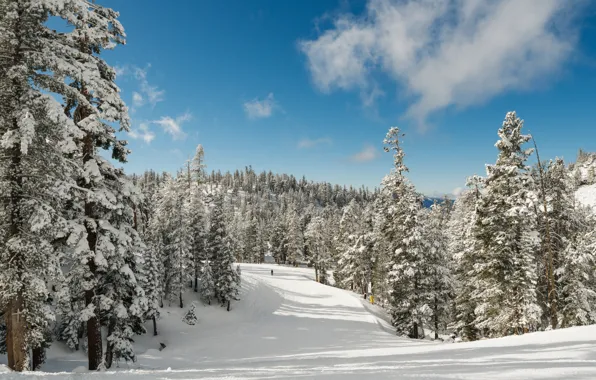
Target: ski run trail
{"x": 287, "y": 326}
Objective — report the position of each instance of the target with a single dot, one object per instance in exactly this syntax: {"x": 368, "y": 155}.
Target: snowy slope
{"x": 288, "y": 326}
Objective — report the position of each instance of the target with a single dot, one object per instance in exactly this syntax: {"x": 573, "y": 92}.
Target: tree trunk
{"x": 39, "y": 356}
{"x": 181, "y": 303}
{"x": 15, "y": 334}
{"x": 228, "y": 305}
{"x": 94, "y": 344}
{"x": 154, "y": 325}
{"x": 436, "y": 318}
{"x": 196, "y": 289}
{"x": 110, "y": 347}
{"x": 415, "y": 331}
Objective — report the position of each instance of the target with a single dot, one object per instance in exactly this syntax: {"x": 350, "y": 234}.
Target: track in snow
{"x": 289, "y": 327}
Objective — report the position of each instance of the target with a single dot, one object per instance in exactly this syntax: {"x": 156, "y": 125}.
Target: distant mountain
{"x": 428, "y": 201}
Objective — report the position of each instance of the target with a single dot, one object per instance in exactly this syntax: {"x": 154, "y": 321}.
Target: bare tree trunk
{"x": 228, "y": 305}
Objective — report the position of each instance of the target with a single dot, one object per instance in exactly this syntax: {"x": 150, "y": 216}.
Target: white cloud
{"x": 153, "y": 94}
{"x": 143, "y": 133}
{"x": 260, "y": 108}
{"x": 121, "y": 70}
{"x": 457, "y": 191}
{"x": 368, "y": 153}
{"x": 173, "y": 126}
{"x": 307, "y": 143}
{"x": 444, "y": 53}
{"x": 137, "y": 99}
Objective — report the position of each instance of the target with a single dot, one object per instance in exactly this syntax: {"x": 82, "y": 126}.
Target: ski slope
{"x": 289, "y": 327}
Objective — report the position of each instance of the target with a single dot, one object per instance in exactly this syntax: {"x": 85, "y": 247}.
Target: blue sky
{"x": 311, "y": 87}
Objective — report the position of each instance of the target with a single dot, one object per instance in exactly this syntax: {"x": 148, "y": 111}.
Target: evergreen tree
{"x": 295, "y": 240}
{"x": 400, "y": 210}
{"x": 575, "y": 275}
{"x": 190, "y": 318}
{"x": 207, "y": 282}
{"x": 505, "y": 272}
{"x": 462, "y": 249}
{"x": 438, "y": 268}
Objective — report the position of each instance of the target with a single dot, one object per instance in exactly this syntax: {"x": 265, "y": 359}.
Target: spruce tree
{"x": 463, "y": 252}
{"x": 505, "y": 227}
{"x": 35, "y": 176}
{"x": 400, "y": 210}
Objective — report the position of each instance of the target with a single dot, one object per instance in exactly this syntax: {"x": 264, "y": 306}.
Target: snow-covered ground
{"x": 288, "y": 326}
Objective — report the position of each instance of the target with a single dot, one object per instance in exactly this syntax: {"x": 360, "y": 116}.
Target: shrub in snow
{"x": 190, "y": 318}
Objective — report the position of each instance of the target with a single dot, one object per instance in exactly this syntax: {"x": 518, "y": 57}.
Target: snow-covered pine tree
{"x": 226, "y": 279}
{"x": 438, "y": 267}
{"x": 318, "y": 246}
{"x": 505, "y": 271}
{"x": 400, "y": 210}
{"x": 35, "y": 177}
{"x": 94, "y": 104}
{"x": 122, "y": 283}
{"x": 295, "y": 239}
{"x": 207, "y": 282}
{"x": 576, "y": 280}
{"x": 220, "y": 249}
{"x": 350, "y": 229}
{"x": 463, "y": 252}
{"x": 173, "y": 221}
{"x": 251, "y": 247}
{"x": 558, "y": 223}
{"x": 215, "y": 239}
{"x": 197, "y": 212}
{"x": 190, "y": 318}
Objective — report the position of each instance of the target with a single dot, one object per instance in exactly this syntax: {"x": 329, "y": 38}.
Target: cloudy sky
{"x": 311, "y": 87}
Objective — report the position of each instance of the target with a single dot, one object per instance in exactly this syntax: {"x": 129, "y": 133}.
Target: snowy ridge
{"x": 288, "y": 326}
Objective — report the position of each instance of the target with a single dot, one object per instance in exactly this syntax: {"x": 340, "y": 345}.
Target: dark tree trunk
{"x": 154, "y": 325}
{"x": 228, "y": 305}
{"x": 181, "y": 303}
{"x": 94, "y": 345}
{"x": 110, "y": 347}
{"x": 415, "y": 331}
{"x": 39, "y": 357}
{"x": 196, "y": 289}
{"x": 436, "y": 318}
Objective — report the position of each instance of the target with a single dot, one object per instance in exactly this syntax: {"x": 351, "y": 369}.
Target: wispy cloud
{"x": 121, "y": 70}
{"x": 153, "y": 94}
{"x": 368, "y": 153}
{"x": 137, "y": 99}
{"x": 142, "y": 133}
{"x": 257, "y": 108}
{"x": 308, "y": 143}
{"x": 172, "y": 126}
{"x": 443, "y": 53}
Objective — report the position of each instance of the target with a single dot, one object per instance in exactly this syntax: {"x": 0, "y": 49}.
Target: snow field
{"x": 287, "y": 326}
